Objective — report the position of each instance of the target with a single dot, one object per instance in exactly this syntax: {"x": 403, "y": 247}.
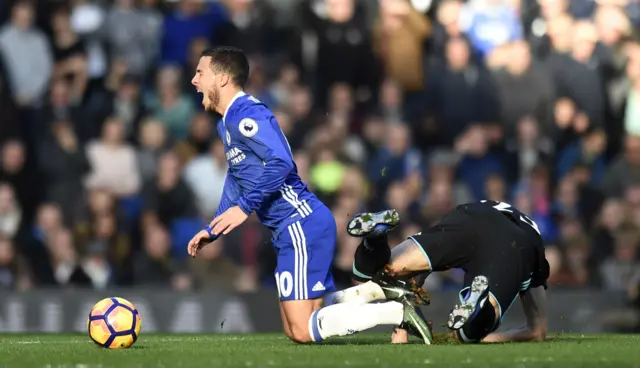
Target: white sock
{"x": 349, "y": 318}
{"x": 363, "y": 293}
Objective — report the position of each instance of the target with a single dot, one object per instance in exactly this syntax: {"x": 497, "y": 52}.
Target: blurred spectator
{"x": 22, "y": 178}
{"x": 105, "y": 247}
{"x": 399, "y": 36}
{"x": 59, "y": 106}
{"x": 439, "y": 201}
{"x": 25, "y": 50}
{"x": 201, "y": 132}
{"x": 526, "y": 150}
{"x": 442, "y": 168}
{"x": 282, "y": 88}
{"x": 589, "y": 151}
{"x": 154, "y": 265}
{"x": 63, "y": 164}
{"x": 190, "y": 20}
{"x": 70, "y": 55}
{"x": 391, "y": 99}
{"x": 474, "y": 150}
{"x": 624, "y": 170}
{"x": 532, "y": 195}
{"x": 169, "y": 104}
{"x": 64, "y": 260}
{"x": 14, "y": 271}
{"x": 249, "y": 25}
{"x": 213, "y": 270}
{"x": 542, "y": 26}
{"x": 576, "y": 78}
{"x": 10, "y": 212}
{"x": 87, "y": 19}
{"x": 577, "y": 253}
{"x": 205, "y": 175}
{"x": 127, "y": 106}
{"x": 495, "y": 188}
{"x": 620, "y": 269}
{"x": 395, "y": 160}
{"x": 300, "y": 104}
{"x": 459, "y": 93}
{"x": 153, "y": 142}
{"x": 131, "y": 36}
{"x": 113, "y": 162}
{"x": 568, "y": 199}
{"x": 37, "y": 243}
{"x": 168, "y": 197}
{"x": 334, "y": 46}
{"x": 490, "y": 24}
{"x": 525, "y": 91}
{"x": 448, "y": 26}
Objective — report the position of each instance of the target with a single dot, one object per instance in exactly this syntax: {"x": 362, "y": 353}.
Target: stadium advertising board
{"x": 220, "y": 312}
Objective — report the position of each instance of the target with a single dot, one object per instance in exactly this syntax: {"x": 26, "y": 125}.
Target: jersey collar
{"x": 237, "y": 96}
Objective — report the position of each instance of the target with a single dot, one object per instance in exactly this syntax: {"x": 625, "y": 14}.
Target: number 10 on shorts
{"x": 284, "y": 283}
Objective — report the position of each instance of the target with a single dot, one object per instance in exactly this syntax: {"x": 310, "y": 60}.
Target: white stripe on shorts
{"x": 296, "y": 257}
{"x": 299, "y": 242}
{"x": 305, "y": 259}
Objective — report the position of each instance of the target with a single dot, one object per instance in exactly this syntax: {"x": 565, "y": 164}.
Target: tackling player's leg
{"x": 374, "y": 254}
{"x": 303, "y": 278}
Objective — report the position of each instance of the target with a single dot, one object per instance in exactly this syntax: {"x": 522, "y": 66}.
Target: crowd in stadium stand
{"x": 108, "y": 165}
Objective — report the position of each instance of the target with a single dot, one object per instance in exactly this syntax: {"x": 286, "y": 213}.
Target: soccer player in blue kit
{"x": 263, "y": 178}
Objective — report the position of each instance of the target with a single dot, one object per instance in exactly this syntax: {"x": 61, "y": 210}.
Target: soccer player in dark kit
{"x": 499, "y": 248}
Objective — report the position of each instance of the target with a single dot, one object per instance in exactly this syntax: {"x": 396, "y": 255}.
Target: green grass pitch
{"x": 274, "y": 350}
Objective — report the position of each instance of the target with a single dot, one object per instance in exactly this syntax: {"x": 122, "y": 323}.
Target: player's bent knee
{"x": 297, "y": 314}
{"x": 300, "y": 335}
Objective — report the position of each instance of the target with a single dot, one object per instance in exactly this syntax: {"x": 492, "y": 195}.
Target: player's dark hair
{"x": 229, "y": 60}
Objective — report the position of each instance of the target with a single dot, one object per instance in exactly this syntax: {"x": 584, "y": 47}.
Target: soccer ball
{"x": 114, "y": 323}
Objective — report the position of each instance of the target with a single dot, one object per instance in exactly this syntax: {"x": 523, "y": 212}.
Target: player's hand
{"x": 399, "y": 336}
{"x": 198, "y": 241}
{"x": 229, "y": 220}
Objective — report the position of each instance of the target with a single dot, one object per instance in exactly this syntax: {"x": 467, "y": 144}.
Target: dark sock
{"x": 375, "y": 242}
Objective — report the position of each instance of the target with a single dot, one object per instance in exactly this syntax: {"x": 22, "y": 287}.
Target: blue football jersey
{"x": 262, "y": 175}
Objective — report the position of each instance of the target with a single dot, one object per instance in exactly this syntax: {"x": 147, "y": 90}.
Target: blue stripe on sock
{"x": 314, "y": 330}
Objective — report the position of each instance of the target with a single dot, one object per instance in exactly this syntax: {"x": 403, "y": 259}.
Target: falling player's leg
{"x": 305, "y": 253}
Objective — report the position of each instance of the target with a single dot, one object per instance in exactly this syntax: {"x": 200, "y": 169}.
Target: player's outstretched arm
{"x": 206, "y": 235}
{"x": 534, "y": 303}
{"x": 265, "y": 139}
